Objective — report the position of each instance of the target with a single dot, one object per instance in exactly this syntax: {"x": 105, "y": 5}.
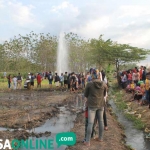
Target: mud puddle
{"x": 64, "y": 122}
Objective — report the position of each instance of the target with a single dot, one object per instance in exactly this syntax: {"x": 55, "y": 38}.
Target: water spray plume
{"x": 62, "y": 55}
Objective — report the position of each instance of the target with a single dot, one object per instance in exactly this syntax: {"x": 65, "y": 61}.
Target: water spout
{"x": 62, "y": 55}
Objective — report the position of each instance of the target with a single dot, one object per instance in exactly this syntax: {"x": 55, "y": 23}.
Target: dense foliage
{"x": 37, "y": 52}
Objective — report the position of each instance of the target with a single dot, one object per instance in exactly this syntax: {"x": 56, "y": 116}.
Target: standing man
{"x": 32, "y": 81}
{"x": 141, "y": 72}
{"x": 9, "y": 81}
{"x": 14, "y": 82}
{"x": 72, "y": 82}
{"x": 65, "y": 80}
{"x": 88, "y": 77}
{"x": 50, "y": 79}
{"x": 57, "y": 80}
{"x": 94, "y": 92}
{"x": 19, "y": 81}
{"x": 144, "y": 74}
{"x": 62, "y": 80}
{"x": 39, "y": 80}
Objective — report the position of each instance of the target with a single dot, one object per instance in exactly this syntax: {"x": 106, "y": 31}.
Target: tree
{"x": 78, "y": 52}
{"x": 114, "y": 53}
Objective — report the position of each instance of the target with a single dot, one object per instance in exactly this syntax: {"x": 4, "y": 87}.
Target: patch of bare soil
{"x": 113, "y": 138}
{"x": 23, "y": 109}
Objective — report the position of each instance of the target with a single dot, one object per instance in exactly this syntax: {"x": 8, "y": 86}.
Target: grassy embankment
{"x": 118, "y": 96}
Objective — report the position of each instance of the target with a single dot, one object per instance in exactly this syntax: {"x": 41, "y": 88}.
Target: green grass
{"x": 4, "y": 84}
{"x": 136, "y": 121}
{"x": 119, "y": 102}
{"x": 121, "y": 105}
{"x": 129, "y": 147}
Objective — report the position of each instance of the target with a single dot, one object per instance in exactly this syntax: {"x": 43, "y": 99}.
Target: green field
{"x": 4, "y": 84}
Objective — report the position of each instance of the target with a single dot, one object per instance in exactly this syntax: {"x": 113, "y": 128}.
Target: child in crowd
{"x": 142, "y": 86}
{"x": 130, "y": 87}
{"x": 138, "y": 94}
{"x": 143, "y": 100}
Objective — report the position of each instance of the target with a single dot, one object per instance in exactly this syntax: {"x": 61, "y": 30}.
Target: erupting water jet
{"x": 62, "y": 55}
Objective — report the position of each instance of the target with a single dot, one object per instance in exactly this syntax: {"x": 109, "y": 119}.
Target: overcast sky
{"x": 125, "y": 21}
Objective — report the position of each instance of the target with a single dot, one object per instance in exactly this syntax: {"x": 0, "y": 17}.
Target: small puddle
{"x": 64, "y": 122}
{"x": 135, "y": 138}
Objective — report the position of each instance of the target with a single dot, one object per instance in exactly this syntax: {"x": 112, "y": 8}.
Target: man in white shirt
{"x": 14, "y": 82}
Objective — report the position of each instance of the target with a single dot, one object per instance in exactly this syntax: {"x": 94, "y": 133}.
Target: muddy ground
{"x": 24, "y": 110}
{"x": 29, "y": 109}
{"x": 113, "y": 137}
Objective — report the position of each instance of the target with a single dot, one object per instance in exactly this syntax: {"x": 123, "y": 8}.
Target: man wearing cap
{"x": 94, "y": 92}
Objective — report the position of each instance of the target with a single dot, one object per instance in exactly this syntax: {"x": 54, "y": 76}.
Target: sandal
{"x": 97, "y": 139}
{"x": 106, "y": 128}
{"x": 86, "y": 143}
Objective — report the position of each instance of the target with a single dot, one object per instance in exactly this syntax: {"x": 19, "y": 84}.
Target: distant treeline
{"x": 38, "y": 52}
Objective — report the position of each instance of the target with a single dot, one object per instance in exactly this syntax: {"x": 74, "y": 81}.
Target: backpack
{"x": 18, "y": 77}
{"x": 50, "y": 77}
{"x": 57, "y": 78}
{"x": 89, "y": 78}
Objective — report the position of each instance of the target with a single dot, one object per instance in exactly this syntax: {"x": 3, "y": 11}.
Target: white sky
{"x": 125, "y": 21}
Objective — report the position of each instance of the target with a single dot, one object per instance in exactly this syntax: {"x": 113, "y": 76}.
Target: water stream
{"x": 135, "y": 138}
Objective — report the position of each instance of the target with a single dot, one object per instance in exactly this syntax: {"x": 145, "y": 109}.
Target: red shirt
{"x": 129, "y": 76}
{"x": 86, "y": 113}
{"x": 39, "y": 78}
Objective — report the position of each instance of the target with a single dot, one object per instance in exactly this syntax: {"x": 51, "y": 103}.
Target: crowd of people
{"x": 67, "y": 81}
{"x": 137, "y": 82}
